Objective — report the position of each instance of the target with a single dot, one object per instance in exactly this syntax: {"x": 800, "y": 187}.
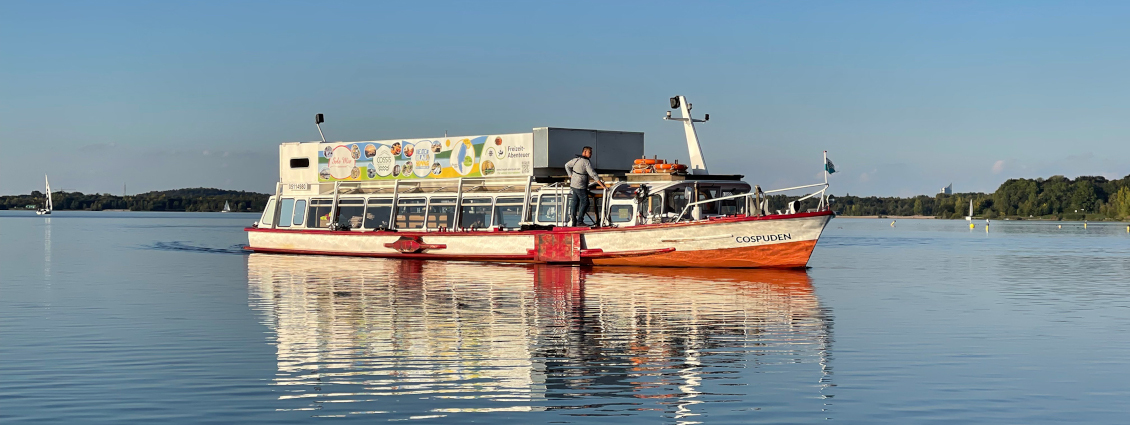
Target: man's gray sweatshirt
{"x": 579, "y": 170}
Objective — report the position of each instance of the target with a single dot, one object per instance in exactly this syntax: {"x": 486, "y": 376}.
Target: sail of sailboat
{"x": 48, "y": 206}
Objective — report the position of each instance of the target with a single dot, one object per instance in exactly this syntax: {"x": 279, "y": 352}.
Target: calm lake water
{"x": 159, "y": 318}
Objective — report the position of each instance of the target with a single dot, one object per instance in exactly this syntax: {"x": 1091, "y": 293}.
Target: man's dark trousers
{"x": 580, "y": 196}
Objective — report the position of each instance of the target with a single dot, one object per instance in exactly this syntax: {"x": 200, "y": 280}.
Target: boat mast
{"x": 698, "y": 161}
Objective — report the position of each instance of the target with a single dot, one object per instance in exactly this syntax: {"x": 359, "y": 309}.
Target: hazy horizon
{"x": 906, "y": 97}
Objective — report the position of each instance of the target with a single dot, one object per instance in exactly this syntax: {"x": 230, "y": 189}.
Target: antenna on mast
{"x": 698, "y": 161}
{"x": 318, "y": 120}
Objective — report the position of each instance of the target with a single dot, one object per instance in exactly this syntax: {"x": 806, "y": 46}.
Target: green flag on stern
{"x": 828, "y": 166}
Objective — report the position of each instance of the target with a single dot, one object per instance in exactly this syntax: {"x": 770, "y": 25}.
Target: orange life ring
{"x": 679, "y": 167}
{"x": 648, "y": 161}
{"x": 640, "y": 161}
{"x": 663, "y": 166}
{"x": 639, "y": 171}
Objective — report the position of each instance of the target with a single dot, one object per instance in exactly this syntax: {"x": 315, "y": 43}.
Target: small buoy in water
{"x": 1060, "y": 226}
{"x": 971, "y": 225}
{"x": 892, "y": 223}
{"x": 1127, "y": 229}
{"x": 1084, "y": 225}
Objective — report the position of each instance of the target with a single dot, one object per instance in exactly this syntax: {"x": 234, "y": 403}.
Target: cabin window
{"x": 286, "y": 212}
{"x": 299, "y": 162}
{"x": 441, "y": 213}
{"x": 299, "y": 211}
{"x": 706, "y": 194}
{"x": 508, "y": 212}
{"x": 677, "y": 199}
{"x": 410, "y": 213}
{"x": 625, "y": 191}
{"x": 268, "y": 214}
{"x": 378, "y": 213}
{"x": 350, "y": 213}
{"x": 620, "y": 213}
{"x": 654, "y": 205}
{"x": 475, "y": 213}
{"x": 318, "y": 214}
{"x": 548, "y": 206}
{"x": 732, "y": 206}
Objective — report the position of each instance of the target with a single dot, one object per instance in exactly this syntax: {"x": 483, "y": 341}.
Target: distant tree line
{"x": 1054, "y": 198}
{"x": 196, "y": 199}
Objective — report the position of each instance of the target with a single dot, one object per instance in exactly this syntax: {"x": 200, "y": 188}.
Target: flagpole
{"x": 824, "y": 198}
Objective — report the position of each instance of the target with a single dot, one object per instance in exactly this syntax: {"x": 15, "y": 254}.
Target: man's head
{"x": 586, "y": 152}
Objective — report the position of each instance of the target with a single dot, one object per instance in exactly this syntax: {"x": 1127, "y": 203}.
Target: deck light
{"x": 318, "y": 120}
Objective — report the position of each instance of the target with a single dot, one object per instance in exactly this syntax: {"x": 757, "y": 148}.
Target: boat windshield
{"x": 268, "y": 214}
{"x": 299, "y": 211}
{"x": 286, "y": 212}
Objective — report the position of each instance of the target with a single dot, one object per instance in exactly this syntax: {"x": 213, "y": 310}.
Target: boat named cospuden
{"x": 505, "y": 198}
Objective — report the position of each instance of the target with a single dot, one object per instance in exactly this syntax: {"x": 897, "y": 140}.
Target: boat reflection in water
{"x": 416, "y": 340}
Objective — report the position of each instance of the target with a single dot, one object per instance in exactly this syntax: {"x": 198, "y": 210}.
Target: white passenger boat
{"x": 499, "y": 197}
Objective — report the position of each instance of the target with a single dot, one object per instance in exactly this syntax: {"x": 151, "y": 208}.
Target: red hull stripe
{"x": 535, "y": 232}
{"x": 412, "y": 256}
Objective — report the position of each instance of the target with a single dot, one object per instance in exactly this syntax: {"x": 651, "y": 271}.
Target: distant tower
{"x": 948, "y": 190}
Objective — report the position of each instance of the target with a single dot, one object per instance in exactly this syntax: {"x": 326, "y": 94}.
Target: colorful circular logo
{"x": 342, "y": 163}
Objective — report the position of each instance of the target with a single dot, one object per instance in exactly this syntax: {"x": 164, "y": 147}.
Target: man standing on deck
{"x": 579, "y": 170}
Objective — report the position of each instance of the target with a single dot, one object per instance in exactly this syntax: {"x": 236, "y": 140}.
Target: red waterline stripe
{"x": 535, "y": 232}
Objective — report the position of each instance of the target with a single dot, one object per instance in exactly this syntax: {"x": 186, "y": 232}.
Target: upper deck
{"x": 498, "y": 159}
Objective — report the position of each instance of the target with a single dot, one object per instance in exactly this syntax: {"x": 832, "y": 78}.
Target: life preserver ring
{"x": 663, "y": 166}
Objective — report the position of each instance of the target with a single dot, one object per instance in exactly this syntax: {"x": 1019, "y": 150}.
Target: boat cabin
{"x": 503, "y": 182}
{"x": 475, "y": 183}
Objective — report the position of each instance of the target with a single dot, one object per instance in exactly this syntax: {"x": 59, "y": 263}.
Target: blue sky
{"x": 905, "y": 96}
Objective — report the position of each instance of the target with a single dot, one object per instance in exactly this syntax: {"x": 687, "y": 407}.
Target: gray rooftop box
{"x": 613, "y": 151}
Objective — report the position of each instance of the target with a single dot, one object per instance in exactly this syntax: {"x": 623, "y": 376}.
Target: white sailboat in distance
{"x": 227, "y": 207}
{"x": 47, "y": 206}
{"x": 969, "y": 217}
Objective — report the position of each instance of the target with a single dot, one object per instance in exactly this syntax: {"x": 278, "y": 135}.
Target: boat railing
{"x": 757, "y": 198}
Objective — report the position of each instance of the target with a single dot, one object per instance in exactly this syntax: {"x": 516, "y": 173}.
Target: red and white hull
{"x": 779, "y": 241}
